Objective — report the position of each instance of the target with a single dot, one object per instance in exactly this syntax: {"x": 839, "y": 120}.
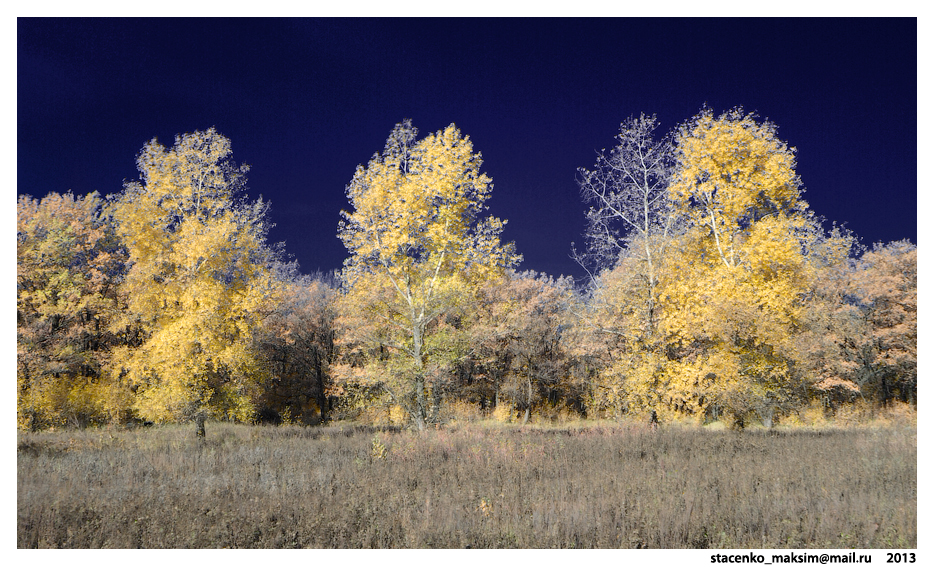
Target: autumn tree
{"x": 296, "y": 339}
{"x": 616, "y": 337}
{"x": 69, "y": 266}
{"x": 627, "y": 191}
{"x": 198, "y": 280}
{"x": 418, "y": 249}
{"x": 631, "y": 224}
{"x": 886, "y": 284}
{"x": 833, "y": 340}
{"x": 733, "y": 297}
{"x": 516, "y": 341}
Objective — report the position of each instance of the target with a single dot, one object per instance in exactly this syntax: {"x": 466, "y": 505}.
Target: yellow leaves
{"x": 731, "y": 173}
{"x": 418, "y": 207}
{"x": 199, "y": 278}
{"x": 729, "y": 291}
{"x": 414, "y": 214}
{"x": 191, "y": 174}
{"x": 417, "y": 249}
{"x": 734, "y": 288}
{"x": 68, "y": 266}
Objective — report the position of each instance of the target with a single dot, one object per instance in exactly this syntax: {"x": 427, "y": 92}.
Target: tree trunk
{"x": 322, "y": 401}
{"x": 200, "y": 424}
{"x": 420, "y": 372}
{"x": 436, "y": 403}
{"x": 420, "y": 402}
{"x": 528, "y": 400}
{"x": 767, "y": 416}
{"x": 652, "y": 274}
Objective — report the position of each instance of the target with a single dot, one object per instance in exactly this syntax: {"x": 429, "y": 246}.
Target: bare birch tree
{"x": 630, "y": 212}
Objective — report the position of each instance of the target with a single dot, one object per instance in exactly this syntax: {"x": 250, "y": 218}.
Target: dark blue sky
{"x": 304, "y": 101}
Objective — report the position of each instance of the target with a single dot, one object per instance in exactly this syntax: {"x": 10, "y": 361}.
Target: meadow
{"x": 474, "y": 485}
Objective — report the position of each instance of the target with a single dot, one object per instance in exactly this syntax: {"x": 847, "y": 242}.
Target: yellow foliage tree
{"x": 631, "y": 225}
{"x": 616, "y": 332}
{"x": 69, "y": 265}
{"x": 418, "y": 251}
{"x": 733, "y": 295}
{"x": 199, "y": 278}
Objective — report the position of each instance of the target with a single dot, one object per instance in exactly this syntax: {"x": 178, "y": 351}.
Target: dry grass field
{"x": 477, "y": 486}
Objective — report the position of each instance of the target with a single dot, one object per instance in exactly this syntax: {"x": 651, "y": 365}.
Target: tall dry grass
{"x": 604, "y": 487}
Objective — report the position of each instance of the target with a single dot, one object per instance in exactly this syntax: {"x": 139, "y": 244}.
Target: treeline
{"x": 715, "y": 293}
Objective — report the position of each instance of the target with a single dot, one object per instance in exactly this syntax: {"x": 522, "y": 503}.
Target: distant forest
{"x": 715, "y": 294}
